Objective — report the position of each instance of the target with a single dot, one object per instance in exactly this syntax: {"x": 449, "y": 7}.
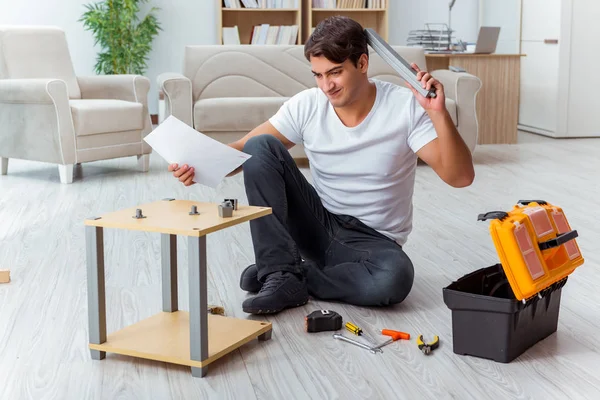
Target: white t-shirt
{"x": 366, "y": 171}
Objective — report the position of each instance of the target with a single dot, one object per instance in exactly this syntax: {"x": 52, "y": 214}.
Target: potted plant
{"x": 125, "y": 40}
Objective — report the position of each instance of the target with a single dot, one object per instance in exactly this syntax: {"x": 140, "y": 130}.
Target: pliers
{"x": 427, "y": 348}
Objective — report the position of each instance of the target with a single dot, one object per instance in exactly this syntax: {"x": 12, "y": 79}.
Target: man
{"x": 341, "y": 238}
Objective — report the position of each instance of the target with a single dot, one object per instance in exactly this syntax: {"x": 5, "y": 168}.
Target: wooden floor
{"x": 43, "y": 317}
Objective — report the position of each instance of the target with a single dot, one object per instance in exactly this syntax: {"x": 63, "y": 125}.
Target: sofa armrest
{"x": 462, "y": 88}
{"x": 28, "y": 90}
{"x": 178, "y": 96}
{"x": 36, "y": 121}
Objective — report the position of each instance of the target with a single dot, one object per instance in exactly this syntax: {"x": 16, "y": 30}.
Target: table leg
{"x": 94, "y": 245}
{"x": 198, "y": 303}
{"x": 168, "y": 251}
{"x": 265, "y": 336}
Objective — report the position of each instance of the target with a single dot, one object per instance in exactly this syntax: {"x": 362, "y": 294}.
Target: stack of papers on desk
{"x": 177, "y": 142}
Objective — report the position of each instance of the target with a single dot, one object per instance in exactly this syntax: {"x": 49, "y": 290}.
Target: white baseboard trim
{"x": 536, "y": 130}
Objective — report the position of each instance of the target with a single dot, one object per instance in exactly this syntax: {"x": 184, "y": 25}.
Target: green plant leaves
{"x": 125, "y": 41}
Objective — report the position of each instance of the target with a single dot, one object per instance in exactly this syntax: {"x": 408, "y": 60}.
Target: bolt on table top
{"x": 173, "y": 217}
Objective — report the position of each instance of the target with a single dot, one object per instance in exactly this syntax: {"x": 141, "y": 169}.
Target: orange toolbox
{"x": 499, "y": 312}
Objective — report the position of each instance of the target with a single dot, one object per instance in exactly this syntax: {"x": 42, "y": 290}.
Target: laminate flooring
{"x": 43, "y": 311}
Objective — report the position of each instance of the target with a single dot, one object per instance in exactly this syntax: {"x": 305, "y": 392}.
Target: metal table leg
{"x": 168, "y": 255}
{"x": 94, "y": 245}
{"x": 198, "y": 303}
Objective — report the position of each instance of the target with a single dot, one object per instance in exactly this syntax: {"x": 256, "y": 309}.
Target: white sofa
{"x": 49, "y": 114}
{"x": 225, "y": 91}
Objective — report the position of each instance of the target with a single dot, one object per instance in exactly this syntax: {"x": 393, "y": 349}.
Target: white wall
{"x": 183, "y": 21}
{"x": 55, "y": 12}
{"x": 507, "y": 15}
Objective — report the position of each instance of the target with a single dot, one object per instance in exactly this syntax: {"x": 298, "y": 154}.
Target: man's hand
{"x": 448, "y": 155}
{"x": 185, "y": 174}
{"x": 427, "y": 82}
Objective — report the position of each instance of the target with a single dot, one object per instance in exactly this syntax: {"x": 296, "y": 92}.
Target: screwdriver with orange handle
{"x": 395, "y": 335}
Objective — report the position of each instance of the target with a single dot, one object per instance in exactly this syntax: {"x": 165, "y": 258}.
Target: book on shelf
{"x": 336, "y": 4}
{"x": 274, "y": 34}
{"x": 264, "y": 4}
{"x": 232, "y": 4}
{"x": 231, "y": 35}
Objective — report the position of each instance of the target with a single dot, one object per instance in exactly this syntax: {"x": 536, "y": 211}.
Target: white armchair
{"x": 50, "y": 115}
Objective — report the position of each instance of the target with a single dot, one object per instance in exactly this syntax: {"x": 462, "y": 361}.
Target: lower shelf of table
{"x": 166, "y": 337}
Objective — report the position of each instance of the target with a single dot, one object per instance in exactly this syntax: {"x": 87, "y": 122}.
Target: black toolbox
{"x": 500, "y": 311}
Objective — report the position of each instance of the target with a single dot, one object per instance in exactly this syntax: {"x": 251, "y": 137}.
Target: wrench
{"x": 354, "y": 342}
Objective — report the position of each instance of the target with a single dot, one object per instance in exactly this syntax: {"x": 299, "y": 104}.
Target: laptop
{"x": 487, "y": 40}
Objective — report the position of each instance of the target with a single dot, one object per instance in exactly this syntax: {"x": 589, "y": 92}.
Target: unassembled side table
{"x": 192, "y": 338}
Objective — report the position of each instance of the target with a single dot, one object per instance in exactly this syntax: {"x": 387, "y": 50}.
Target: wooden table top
{"x": 173, "y": 217}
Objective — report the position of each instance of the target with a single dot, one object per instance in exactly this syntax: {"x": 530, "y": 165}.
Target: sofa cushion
{"x": 234, "y": 114}
{"x": 103, "y": 116}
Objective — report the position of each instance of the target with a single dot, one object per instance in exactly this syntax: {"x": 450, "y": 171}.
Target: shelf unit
{"x": 305, "y": 16}
{"x": 247, "y": 18}
{"x": 376, "y": 18}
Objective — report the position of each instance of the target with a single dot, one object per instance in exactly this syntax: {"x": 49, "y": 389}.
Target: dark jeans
{"x": 345, "y": 260}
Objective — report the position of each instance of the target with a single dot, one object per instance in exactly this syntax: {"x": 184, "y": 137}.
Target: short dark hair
{"x": 337, "y": 38}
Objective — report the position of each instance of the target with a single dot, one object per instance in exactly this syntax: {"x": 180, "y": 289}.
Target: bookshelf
{"x": 369, "y": 13}
{"x": 234, "y": 13}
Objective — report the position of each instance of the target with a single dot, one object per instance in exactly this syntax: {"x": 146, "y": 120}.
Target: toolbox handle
{"x": 492, "y": 215}
{"x": 526, "y": 202}
{"x": 560, "y": 239}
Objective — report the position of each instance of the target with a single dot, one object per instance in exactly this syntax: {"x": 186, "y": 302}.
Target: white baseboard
{"x": 536, "y": 130}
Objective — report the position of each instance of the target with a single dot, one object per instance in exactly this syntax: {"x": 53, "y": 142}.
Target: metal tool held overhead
{"x": 389, "y": 55}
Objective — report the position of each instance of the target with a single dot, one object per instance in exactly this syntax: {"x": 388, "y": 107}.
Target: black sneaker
{"x": 281, "y": 290}
{"x": 249, "y": 279}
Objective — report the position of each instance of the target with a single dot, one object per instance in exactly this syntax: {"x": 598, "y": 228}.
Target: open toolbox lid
{"x": 535, "y": 244}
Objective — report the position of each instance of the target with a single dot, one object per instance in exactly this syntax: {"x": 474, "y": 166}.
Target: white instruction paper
{"x": 178, "y": 143}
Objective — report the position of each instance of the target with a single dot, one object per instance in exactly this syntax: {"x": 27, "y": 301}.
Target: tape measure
{"x": 323, "y": 320}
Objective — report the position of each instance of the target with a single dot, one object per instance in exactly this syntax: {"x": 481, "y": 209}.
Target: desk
{"x": 191, "y": 338}
{"x": 497, "y": 103}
